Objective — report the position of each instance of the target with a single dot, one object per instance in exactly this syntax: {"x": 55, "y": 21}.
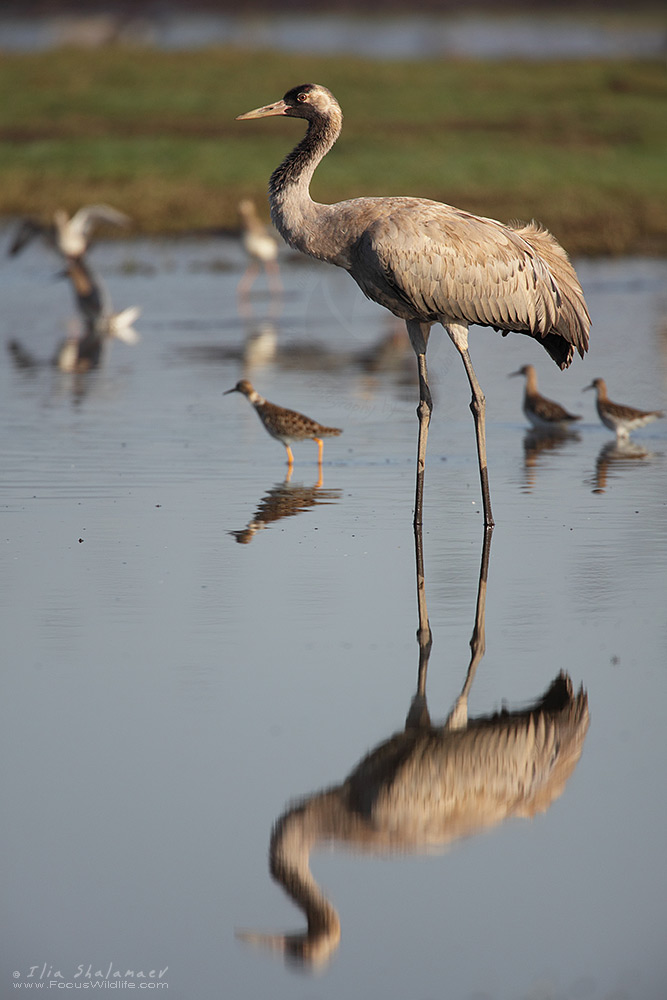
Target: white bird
{"x": 428, "y": 263}
{"x": 69, "y": 236}
{"x": 261, "y": 247}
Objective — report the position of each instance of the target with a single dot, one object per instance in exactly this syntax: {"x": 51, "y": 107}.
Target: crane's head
{"x": 309, "y": 101}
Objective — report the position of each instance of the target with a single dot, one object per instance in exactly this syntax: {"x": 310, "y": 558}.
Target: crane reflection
{"x": 427, "y": 785}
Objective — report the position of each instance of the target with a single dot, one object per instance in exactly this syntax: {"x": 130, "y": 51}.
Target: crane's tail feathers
{"x": 573, "y": 321}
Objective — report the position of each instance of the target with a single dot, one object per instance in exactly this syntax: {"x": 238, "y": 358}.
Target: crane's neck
{"x": 299, "y": 220}
{"x": 294, "y": 836}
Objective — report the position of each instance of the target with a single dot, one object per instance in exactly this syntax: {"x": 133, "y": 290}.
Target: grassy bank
{"x": 580, "y": 146}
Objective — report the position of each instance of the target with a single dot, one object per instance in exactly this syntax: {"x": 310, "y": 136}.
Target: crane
{"x": 427, "y": 263}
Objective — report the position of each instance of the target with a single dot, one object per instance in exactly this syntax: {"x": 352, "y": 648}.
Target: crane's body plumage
{"x": 428, "y": 262}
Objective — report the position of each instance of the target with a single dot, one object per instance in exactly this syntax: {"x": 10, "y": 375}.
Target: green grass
{"x": 581, "y": 146}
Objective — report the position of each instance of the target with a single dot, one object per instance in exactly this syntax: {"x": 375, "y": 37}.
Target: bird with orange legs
{"x": 285, "y": 425}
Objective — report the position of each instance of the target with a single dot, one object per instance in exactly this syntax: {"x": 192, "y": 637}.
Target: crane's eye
{"x": 302, "y": 97}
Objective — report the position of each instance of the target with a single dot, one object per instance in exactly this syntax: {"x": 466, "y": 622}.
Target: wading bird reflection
{"x": 536, "y": 444}
{"x": 285, "y": 499}
{"x": 615, "y": 457}
{"x": 427, "y": 785}
{"x": 428, "y": 263}
{"x": 83, "y": 350}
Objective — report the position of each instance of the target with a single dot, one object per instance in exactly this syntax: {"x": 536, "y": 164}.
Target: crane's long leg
{"x": 459, "y": 336}
{"x": 424, "y": 413}
{"x": 419, "y": 333}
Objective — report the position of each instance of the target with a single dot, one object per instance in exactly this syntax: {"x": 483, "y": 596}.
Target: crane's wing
{"x": 445, "y": 264}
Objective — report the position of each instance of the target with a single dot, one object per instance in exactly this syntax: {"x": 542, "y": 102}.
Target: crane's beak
{"x": 587, "y": 387}
{"x": 513, "y": 374}
{"x": 279, "y": 108}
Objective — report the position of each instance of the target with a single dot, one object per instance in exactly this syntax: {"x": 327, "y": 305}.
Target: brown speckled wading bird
{"x": 543, "y": 413}
{"x": 428, "y": 263}
{"x": 285, "y": 425}
{"x": 618, "y": 418}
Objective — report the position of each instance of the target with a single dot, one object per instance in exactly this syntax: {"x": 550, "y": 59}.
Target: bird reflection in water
{"x": 536, "y": 444}
{"x": 285, "y": 499}
{"x": 617, "y": 456}
{"x": 83, "y": 349}
{"x": 428, "y": 785}
{"x": 257, "y": 350}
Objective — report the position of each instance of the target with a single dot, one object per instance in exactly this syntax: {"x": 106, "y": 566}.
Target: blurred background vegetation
{"x": 580, "y": 145}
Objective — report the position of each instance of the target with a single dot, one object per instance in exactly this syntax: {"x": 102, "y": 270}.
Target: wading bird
{"x": 543, "y": 413}
{"x": 618, "y": 418}
{"x": 70, "y": 237}
{"x": 428, "y": 263}
{"x": 262, "y": 249}
{"x": 285, "y": 425}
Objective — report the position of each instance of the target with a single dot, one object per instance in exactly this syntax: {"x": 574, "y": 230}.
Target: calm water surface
{"x": 190, "y": 643}
{"x": 600, "y": 35}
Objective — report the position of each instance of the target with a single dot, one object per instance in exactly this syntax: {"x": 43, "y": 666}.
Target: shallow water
{"x": 415, "y": 36}
{"x": 169, "y": 690}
